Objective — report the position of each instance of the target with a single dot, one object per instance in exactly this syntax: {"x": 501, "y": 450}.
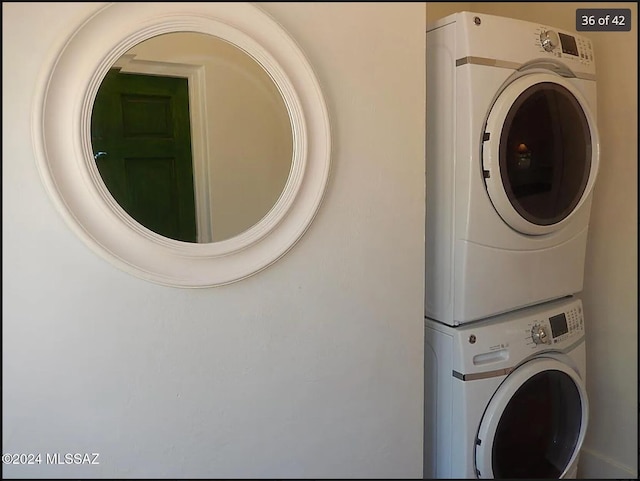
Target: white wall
{"x": 611, "y": 283}
{"x": 311, "y": 368}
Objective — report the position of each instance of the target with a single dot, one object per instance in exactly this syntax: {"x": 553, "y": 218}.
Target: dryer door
{"x": 540, "y": 153}
{"x": 534, "y": 424}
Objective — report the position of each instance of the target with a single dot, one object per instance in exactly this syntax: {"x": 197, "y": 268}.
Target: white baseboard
{"x": 594, "y": 465}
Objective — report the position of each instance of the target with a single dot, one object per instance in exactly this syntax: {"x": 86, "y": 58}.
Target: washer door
{"x": 534, "y": 424}
{"x": 541, "y": 155}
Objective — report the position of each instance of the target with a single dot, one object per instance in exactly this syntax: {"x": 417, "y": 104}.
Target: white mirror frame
{"x": 62, "y": 142}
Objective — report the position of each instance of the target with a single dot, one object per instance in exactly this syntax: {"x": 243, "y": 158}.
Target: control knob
{"x": 539, "y": 335}
{"x": 549, "y": 40}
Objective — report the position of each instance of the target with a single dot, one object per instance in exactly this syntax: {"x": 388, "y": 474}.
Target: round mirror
{"x": 257, "y": 154}
{"x": 191, "y": 137}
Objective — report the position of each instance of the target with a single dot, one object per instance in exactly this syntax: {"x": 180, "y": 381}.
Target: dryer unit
{"x": 506, "y": 397}
{"x": 512, "y": 157}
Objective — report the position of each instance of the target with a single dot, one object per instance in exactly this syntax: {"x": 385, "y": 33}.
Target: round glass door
{"x": 541, "y": 153}
{"x": 534, "y": 425}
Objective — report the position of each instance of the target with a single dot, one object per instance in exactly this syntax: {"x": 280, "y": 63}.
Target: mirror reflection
{"x": 191, "y": 137}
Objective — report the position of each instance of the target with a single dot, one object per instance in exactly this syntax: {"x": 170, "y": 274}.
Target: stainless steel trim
{"x": 492, "y": 62}
{"x": 586, "y": 76}
{"x": 482, "y": 375}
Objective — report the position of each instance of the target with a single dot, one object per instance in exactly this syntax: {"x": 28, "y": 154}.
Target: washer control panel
{"x": 557, "y": 328}
{"x": 564, "y": 45}
{"x": 499, "y": 341}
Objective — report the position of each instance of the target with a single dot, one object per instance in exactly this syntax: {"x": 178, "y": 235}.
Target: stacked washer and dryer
{"x": 512, "y": 156}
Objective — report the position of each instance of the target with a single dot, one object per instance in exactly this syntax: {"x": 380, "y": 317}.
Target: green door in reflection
{"x": 141, "y": 138}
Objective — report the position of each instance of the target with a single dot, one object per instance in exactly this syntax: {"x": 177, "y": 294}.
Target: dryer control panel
{"x": 565, "y": 45}
{"x": 511, "y": 43}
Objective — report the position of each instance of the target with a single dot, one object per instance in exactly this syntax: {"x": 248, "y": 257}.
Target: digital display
{"x": 558, "y": 325}
{"x": 568, "y": 44}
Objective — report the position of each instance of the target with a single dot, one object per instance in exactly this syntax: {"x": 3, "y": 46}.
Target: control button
{"x": 539, "y": 335}
{"x": 549, "y": 40}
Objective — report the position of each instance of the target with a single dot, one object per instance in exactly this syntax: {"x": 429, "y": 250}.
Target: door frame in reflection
{"x": 195, "y": 75}
{"x": 142, "y": 140}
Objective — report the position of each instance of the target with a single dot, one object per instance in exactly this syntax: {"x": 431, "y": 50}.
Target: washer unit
{"x": 512, "y": 157}
{"x": 506, "y": 397}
